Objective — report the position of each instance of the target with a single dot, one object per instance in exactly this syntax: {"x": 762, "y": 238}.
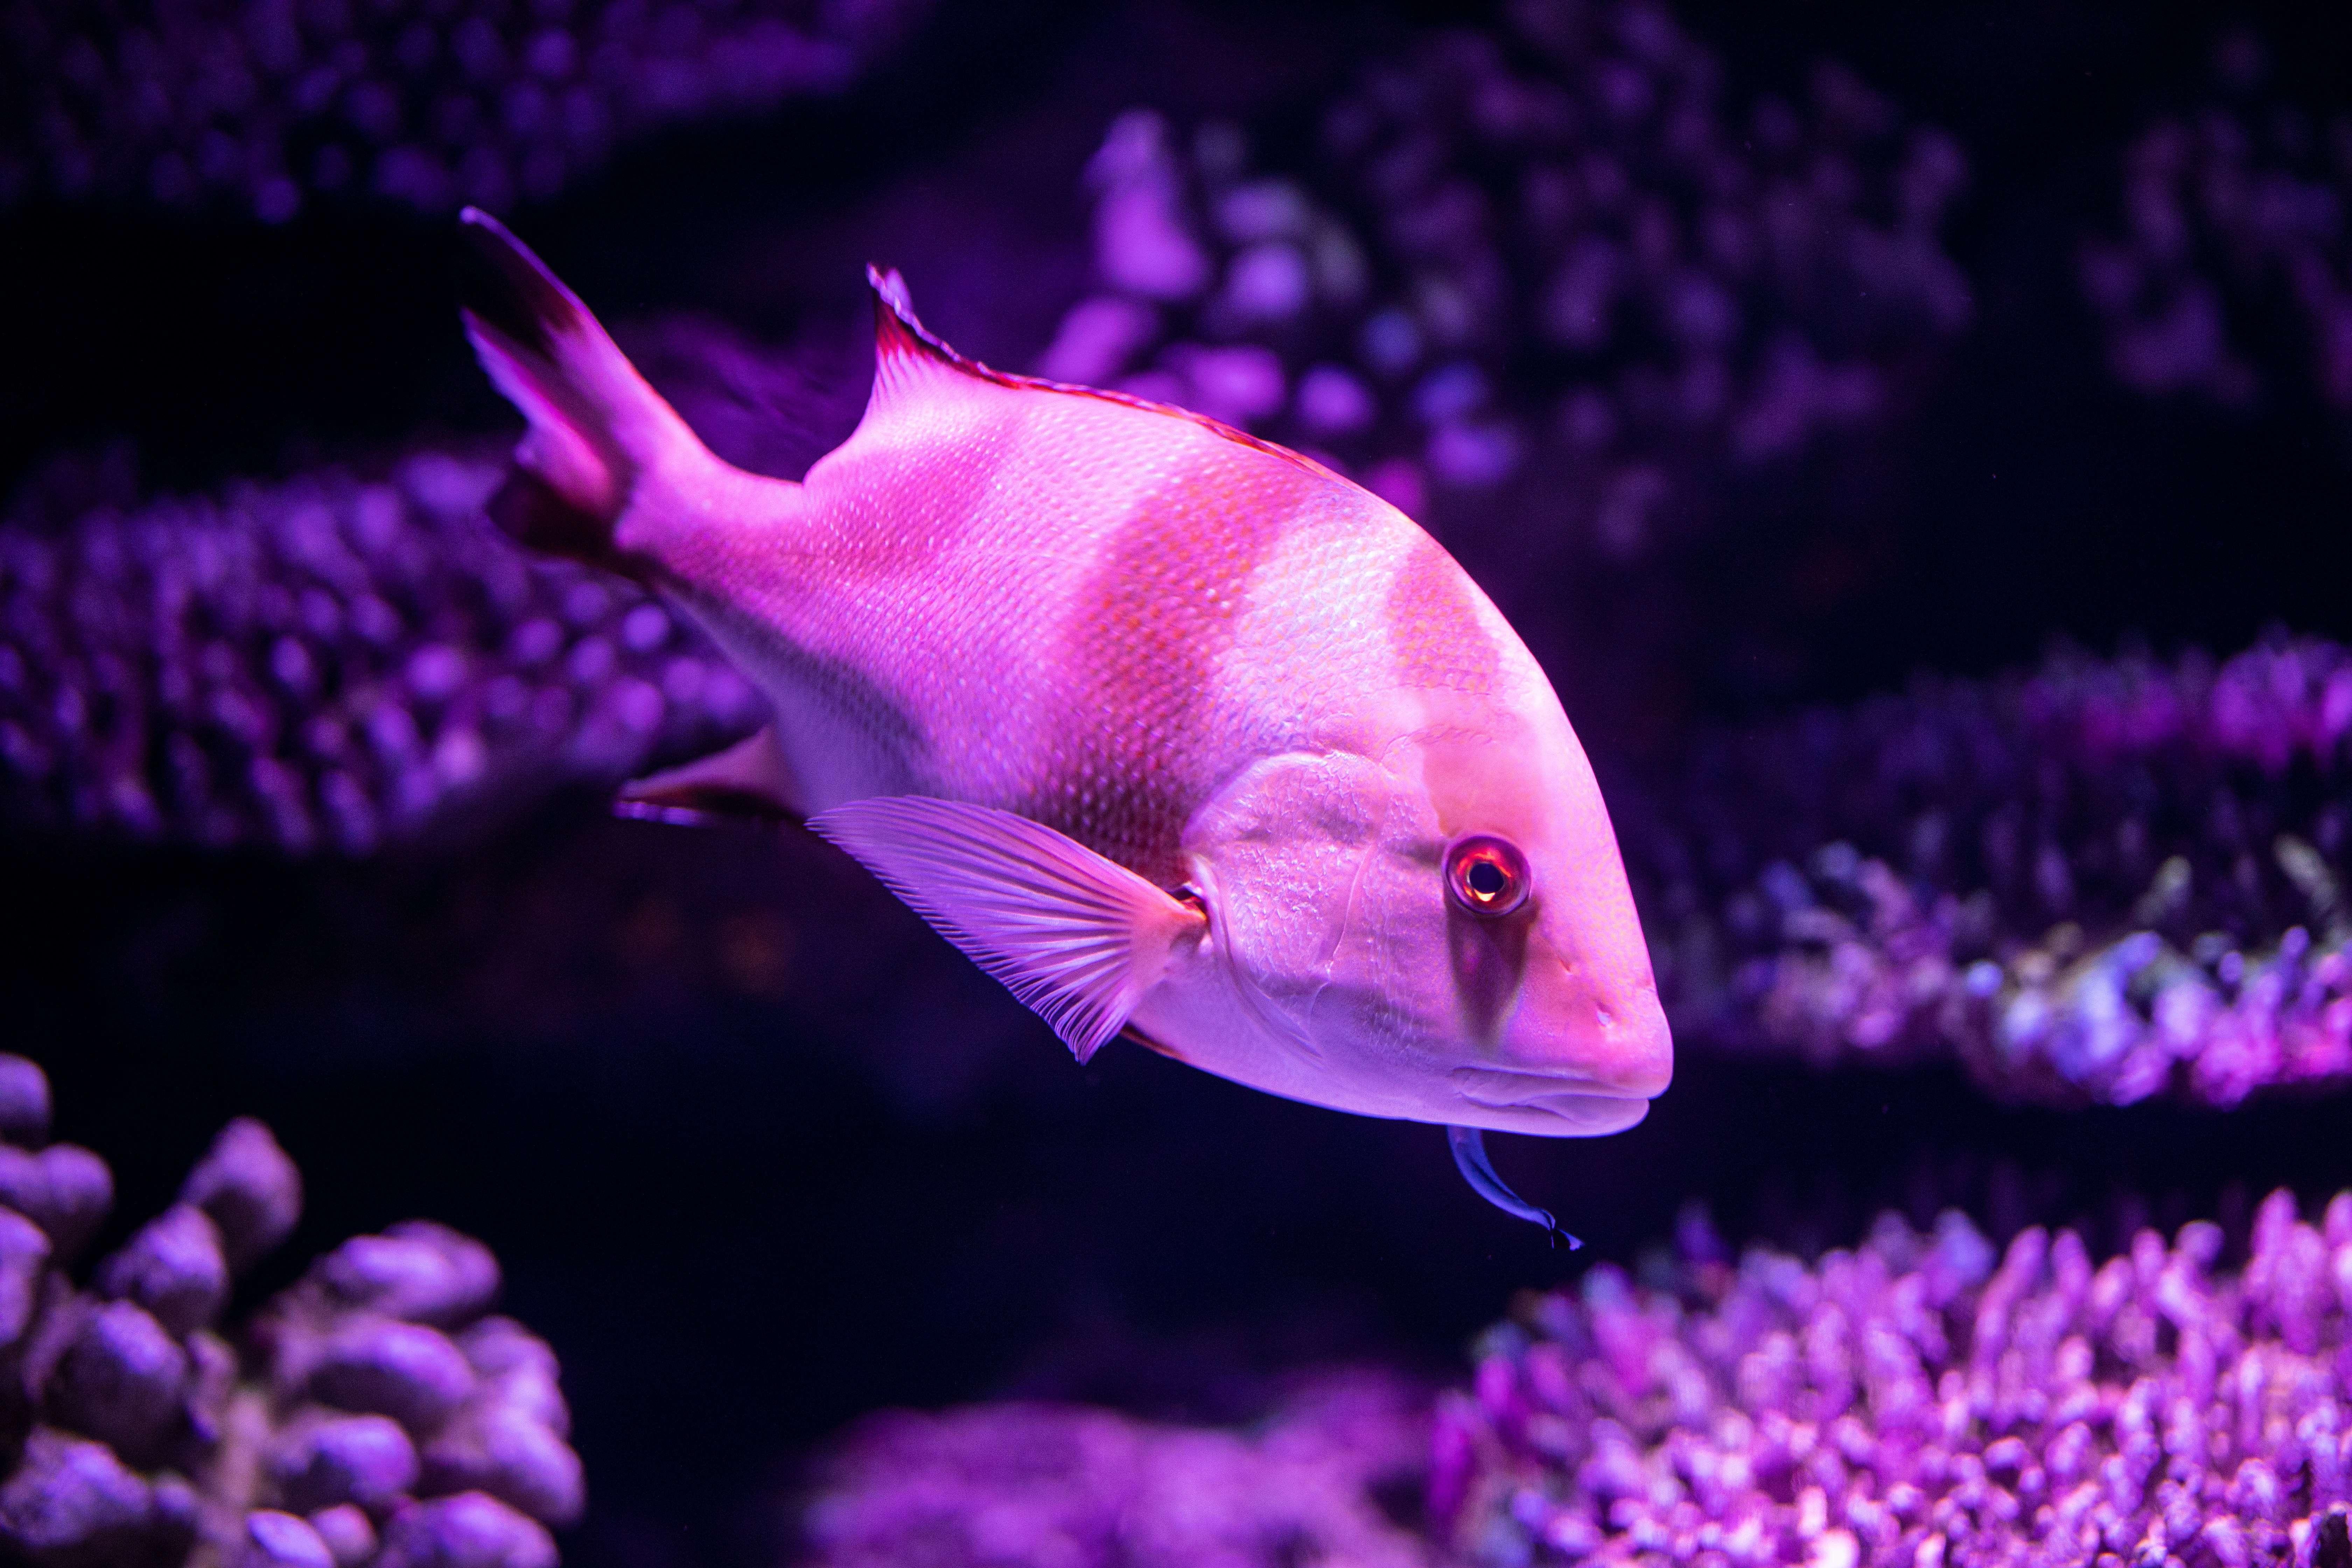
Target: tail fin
{"x": 595, "y": 425}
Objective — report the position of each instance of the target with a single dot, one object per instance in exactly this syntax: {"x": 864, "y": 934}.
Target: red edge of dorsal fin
{"x": 899, "y": 337}
{"x": 901, "y": 342}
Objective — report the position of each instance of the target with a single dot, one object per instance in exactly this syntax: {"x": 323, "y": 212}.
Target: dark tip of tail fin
{"x": 533, "y": 512}
{"x": 501, "y": 284}
{"x": 574, "y": 471}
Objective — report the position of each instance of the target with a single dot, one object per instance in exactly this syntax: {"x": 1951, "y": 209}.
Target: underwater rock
{"x": 329, "y": 662}
{"x": 1040, "y": 1486}
{"x": 1915, "y": 1401}
{"x": 469, "y": 1531}
{"x": 2229, "y": 221}
{"x": 71, "y": 1503}
{"x": 249, "y": 1190}
{"x": 266, "y": 109}
{"x": 375, "y": 1415}
{"x": 1553, "y": 247}
{"x": 2096, "y": 883}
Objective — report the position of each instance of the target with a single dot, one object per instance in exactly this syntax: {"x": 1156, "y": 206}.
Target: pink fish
{"x": 1175, "y": 733}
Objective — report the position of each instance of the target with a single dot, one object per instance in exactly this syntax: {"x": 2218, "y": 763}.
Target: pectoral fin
{"x": 749, "y": 780}
{"x": 1078, "y": 938}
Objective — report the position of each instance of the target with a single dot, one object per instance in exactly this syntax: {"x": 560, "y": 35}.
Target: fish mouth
{"x": 1560, "y": 1105}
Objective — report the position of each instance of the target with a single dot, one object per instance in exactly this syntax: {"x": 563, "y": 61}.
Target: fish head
{"x": 1441, "y": 933}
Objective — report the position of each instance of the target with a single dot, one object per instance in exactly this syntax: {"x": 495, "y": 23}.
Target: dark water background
{"x": 744, "y": 1215}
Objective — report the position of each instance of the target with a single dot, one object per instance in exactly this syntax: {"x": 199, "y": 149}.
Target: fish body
{"x": 1174, "y": 730}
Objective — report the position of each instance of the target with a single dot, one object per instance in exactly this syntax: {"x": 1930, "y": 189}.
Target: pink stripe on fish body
{"x": 1442, "y": 630}
{"x": 1081, "y": 610}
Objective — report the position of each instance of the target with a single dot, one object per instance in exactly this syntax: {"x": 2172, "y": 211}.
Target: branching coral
{"x": 327, "y": 662}
{"x": 2229, "y": 215}
{"x": 1911, "y": 1402}
{"x": 416, "y": 104}
{"x": 1026, "y": 1486}
{"x": 374, "y": 1415}
{"x": 1552, "y": 245}
{"x": 2099, "y": 882}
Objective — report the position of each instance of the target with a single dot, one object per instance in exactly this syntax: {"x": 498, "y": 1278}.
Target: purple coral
{"x": 389, "y": 1377}
{"x": 1023, "y": 1486}
{"x": 1909, "y": 1402}
{"x": 1573, "y": 251}
{"x": 375, "y": 1416}
{"x": 266, "y": 107}
{"x": 2099, "y": 883}
{"x": 331, "y": 661}
{"x": 2228, "y": 214}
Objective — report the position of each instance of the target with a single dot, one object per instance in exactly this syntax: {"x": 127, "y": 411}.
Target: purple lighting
{"x": 329, "y": 662}
{"x": 2096, "y": 883}
{"x": 1913, "y": 1402}
{"x": 376, "y": 1415}
{"x": 265, "y": 108}
{"x": 1577, "y": 252}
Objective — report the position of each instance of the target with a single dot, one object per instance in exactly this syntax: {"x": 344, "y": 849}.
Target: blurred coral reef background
{"x": 1914, "y": 439}
{"x": 373, "y": 1414}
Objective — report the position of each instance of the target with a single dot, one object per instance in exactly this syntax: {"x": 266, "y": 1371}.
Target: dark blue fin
{"x": 1469, "y": 1146}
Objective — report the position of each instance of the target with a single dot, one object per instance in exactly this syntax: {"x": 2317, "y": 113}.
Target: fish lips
{"x": 1607, "y": 1038}
{"x": 1548, "y": 1105}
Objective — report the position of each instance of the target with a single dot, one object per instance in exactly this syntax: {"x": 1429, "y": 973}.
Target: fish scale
{"x": 1174, "y": 732}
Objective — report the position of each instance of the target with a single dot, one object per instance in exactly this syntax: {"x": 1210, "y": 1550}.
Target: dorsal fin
{"x": 907, "y": 354}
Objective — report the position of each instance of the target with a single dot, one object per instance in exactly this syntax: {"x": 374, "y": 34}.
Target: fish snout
{"x": 1639, "y": 1047}
{"x": 1611, "y": 1041}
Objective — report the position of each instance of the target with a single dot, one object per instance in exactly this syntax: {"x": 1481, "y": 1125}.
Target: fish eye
{"x": 1486, "y": 876}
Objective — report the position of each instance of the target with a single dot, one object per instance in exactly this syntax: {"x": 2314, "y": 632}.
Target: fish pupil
{"x": 1485, "y": 877}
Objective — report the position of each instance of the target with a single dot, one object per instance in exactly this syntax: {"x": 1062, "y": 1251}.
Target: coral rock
{"x": 274, "y": 1540}
{"x": 136, "y": 1390}
{"x": 71, "y": 1503}
{"x": 172, "y": 1268}
{"x": 24, "y": 1102}
{"x": 2227, "y": 218}
{"x": 469, "y": 1531}
{"x": 328, "y": 663}
{"x": 419, "y": 1271}
{"x": 1553, "y": 243}
{"x": 1025, "y": 1486}
{"x": 323, "y": 1461}
{"x": 250, "y": 1189}
{"x": 2094, "y": 883}
{"x": 120, "y": 1379}
{"x": 208, "y": 104}
{"x": 514, "y": 1455}
{"x": 347, "y": 1531}
{"x": 65, "y": 1190}
{"x": 406, "y": 1371}
{"x": 24, "y": 1261}
{"x": 1913, "y": 1401}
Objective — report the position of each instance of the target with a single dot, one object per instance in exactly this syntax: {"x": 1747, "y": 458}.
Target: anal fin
{"x": 750, "y": 781}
